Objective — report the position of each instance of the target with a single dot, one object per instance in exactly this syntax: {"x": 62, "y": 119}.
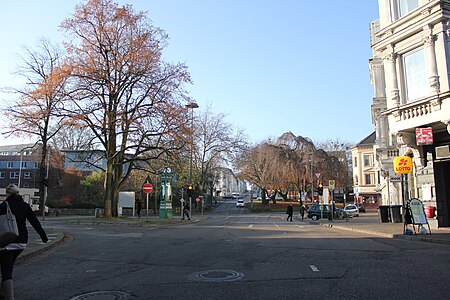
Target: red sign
{"x": 424, "y": 136}
{"x": 148, "y": 188}
{"x": 197, "y": 199}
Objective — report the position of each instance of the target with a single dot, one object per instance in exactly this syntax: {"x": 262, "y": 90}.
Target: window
{"x": 356, "y": 180}
{"x": 23, "y": 165}
{"x": 367, "y": 160}
{"x": 27, "y": 175}
{"x": 10, "y": 165}
{"x": 355, "y": 164}
{"x": 14, "y": 175}
{"x": 416, "y": 83}
{"x": 368, "y": 179}
{"x": 2, "y": 175}
{"x": 404, "y": 7}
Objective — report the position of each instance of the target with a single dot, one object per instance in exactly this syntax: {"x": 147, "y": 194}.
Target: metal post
{"x": 147, "y": 203}
{"x": 191, "y": 106}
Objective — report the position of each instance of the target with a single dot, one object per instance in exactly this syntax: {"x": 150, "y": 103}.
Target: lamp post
{"x": 20, "y": 164}
{"x": 192, "y": 106}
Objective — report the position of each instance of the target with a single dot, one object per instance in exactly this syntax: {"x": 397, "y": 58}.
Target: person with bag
{"x": 9, "y": 252}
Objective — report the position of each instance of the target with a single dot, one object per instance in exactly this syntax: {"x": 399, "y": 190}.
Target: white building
{"x": 410, "y": 75}
{"x": 364, "y": 172}
{"x": 226, "y": 182}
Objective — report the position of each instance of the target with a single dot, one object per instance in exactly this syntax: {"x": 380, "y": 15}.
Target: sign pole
{"x": 147, "y": 204}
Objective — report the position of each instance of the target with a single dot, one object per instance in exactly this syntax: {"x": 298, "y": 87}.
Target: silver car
{"x": 351, "y": 210}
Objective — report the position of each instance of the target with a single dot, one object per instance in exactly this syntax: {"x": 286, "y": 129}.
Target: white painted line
{"x": 285, "y": 233}
{"x": 299, "y": 226}
{"x": 250, "y": 226}
{"x": 314, "y": 268}
{"x": 276, "y": 225}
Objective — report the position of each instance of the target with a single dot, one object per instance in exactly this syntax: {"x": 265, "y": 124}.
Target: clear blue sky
{"x": 270, "y": 66}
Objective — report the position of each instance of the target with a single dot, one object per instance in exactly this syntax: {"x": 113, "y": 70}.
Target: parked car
{"x": 361, "y": 208}
{"x": 316, "y": 211}
{"x": 240, "y": 203}
{"x": 235, "y": 195}
{"x": 227, "y": 196}
{"x": 351, "y": 210}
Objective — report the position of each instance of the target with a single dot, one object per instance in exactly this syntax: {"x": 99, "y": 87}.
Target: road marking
{"x": 250, "y": 226}
{"x": 314, "y": 268}
{"x": 276, "y": 225}
{"x": 285, "y": 233}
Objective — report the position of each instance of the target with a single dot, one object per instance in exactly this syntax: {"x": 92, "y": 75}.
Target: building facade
{"x": 410, "y": 74}
{"x": 365, "y": 175}
{"x": 227, "y": 183}
{"x": 19, "y": 165}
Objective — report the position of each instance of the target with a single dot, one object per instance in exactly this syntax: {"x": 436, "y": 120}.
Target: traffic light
{"x": 320, "y": 189}
{"x": 190, "y": 189}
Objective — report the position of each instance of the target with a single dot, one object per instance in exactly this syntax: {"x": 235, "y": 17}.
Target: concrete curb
{"x": 29, "y": 253}
{"x": 414, "y": 238}
{"x": 386, "y": 235}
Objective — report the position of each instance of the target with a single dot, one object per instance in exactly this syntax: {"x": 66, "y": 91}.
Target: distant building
{"x": 19, "y": 165}
{"x": 365, "y": 177}
{"x": 85, "y": 161}
{"x": 226, "y": 182}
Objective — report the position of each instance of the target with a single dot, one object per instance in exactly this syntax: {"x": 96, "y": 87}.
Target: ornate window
{"x": 404, "y": 7}
{"x": 416, "y": 83}
{"x": 367, "y": 160}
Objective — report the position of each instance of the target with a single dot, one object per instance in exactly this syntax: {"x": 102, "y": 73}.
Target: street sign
{"x": 317, "y": 175}
{"x": 197, "y": 199}
{"x": 331, "y": 184}
{"x": 402, "y": 164}
{"x": 148, "y": 188}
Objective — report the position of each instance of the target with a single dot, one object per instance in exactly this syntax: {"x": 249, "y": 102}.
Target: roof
{"x": 367, "y": 141}
{"x": 17, "y": 148}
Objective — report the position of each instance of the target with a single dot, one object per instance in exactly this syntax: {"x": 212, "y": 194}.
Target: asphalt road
{"x": 232, "y": 255}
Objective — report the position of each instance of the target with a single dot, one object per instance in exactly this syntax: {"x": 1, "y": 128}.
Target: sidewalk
{"x": 370, "y": 224}
{"x": 35, "y": 246}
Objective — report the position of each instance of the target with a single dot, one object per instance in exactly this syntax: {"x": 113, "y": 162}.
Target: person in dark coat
{"x": 302, "y": 211}
{"x": 139, "y": 207}
{"x": 290, "y": 212}
{"x": 22, "y": 211}
{"x": 186, "y": 210}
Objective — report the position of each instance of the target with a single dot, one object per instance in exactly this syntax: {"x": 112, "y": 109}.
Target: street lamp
{"x": 192, "y": 106}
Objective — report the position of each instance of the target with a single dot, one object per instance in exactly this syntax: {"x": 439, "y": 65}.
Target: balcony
{"x": 418, "y": 109}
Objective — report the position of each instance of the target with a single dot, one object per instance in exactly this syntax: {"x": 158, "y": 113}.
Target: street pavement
{"x": 366, "y": 223}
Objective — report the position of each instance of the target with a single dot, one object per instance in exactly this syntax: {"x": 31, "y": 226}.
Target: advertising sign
{"x": 402, "y": 165}
{"x": 424, "y": 136}
{"x": 417, "y": 212}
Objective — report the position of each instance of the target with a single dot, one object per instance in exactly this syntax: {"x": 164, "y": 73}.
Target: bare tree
{"x": 36, "y": 113}
{"x": 216, "y": 141}
{"x": 73, "y": 137}
{"x": 122, "y": 90}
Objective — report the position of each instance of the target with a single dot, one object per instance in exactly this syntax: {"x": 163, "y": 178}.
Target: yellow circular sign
{"x": 402, "y": 165}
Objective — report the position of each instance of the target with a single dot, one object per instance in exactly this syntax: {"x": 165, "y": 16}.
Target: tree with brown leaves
{"x": 122, "y": 89}
{"x": 37, "y": 111}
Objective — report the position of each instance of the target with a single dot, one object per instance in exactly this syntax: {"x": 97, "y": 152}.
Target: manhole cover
{"x": 218, "y": 276}
{"x": 102, "y": 295}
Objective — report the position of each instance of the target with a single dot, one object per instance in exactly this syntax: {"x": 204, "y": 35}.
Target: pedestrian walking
{"x": 302, "y": 211}
{"x": 22, "y": 211}
{"x": 289, "y": 212}
{"x": 138, "y": 207}
{"x": 186, "y": 210}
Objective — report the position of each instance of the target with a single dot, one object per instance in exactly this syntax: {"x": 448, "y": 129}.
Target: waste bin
{"x": 383, "y": 213}
{"x": 429, "y": 211}
{"x": 396, "y": 215}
